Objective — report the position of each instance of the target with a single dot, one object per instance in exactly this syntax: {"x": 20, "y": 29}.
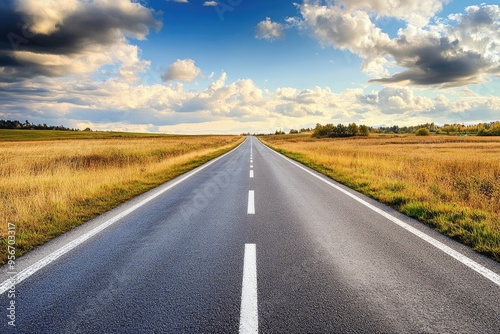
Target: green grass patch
{"x": 27, "y": 135}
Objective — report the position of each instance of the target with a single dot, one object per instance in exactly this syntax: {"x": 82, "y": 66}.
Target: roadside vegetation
{"x": 49, "y": 187}
{"x": 450, "y": 183}
{"x": 341, "y": 130}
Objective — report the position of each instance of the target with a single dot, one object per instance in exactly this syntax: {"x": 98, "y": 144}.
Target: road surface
{"x": 251, "y": 242}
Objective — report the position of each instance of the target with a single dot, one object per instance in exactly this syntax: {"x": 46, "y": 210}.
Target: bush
{"x": 423, "y": 132}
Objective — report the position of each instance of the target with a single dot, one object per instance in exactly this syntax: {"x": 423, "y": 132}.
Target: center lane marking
{"x": 251, "y": 202}
{"x": 251, "y": 174}
{"x": 249, "y": 316}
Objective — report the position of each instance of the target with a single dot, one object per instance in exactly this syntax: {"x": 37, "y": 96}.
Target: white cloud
{"x": 75, "y": 38}
{"x": 353, "y": 31}
{"x": 462, "y": 50}
{"x": 269, "y": 30}
{"x": 182, "y": 70}
{"x": 210, "y": 3}
{"x": 240, "y": 105}
{"x": 397, "y": 100}
{"x": 43, "y": 17}
{"x": 416, "y": 13}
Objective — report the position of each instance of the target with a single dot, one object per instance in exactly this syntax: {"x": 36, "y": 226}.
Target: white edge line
{"x": 24, "y": 274}
{"x": 489, "y": 274}
{"x": 249, "y": 316}
{"x": 251, "y": 202}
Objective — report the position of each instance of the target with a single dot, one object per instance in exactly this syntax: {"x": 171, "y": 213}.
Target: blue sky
{"x": 225, "y": 41}
{"x": 232, "y": 66}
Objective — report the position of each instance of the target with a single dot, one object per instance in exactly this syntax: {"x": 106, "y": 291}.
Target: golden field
{"x": 49, "y": 187}
{"x": 450, "y": 183}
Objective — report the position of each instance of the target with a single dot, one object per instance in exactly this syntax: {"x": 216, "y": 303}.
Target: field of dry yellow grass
{"x": 450, "y": 183}
{"x": 49, "y": 187}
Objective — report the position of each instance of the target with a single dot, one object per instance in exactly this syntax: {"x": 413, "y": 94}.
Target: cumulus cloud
{"x": 416, "y": 13}
{"x": 269, "y": 30}
{"x": 210, "y": 3}
{"x": 225, "y": 106}
{"x": 43, "y": 18}
{"x": 71, "y": 37}
{"x": 353, "y": 31}
{"x": 182, "y": 70}
{"x": 459, "y": 50}
{"x": 397, "y": 100}
{"x": 463, "y": 51}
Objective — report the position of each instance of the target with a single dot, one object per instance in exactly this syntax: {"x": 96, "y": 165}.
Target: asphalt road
{"x": 251, "y": 242}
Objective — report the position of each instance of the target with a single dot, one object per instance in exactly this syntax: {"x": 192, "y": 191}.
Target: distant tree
{"x": 323, "y": 130}
{"x": 7, "y": 124}
{"x": 364, "y": 130}
{"x": 448, "y": 129}
{"x": 293, "y": 131}
{"x": 352, "y": 129}
{"x": 340, "y": 131}
{"x": 423, "y": 132}
{"x": 493, "y": 130}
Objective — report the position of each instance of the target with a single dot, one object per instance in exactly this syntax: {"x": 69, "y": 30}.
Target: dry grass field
{"x": 49, "y": 187}
{"x": 450, "y": 183}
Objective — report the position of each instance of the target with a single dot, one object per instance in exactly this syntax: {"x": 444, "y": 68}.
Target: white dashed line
{"x": 251, "y": 174}
{"x": 251, "y": 202}
{"x": 249, "y": 317}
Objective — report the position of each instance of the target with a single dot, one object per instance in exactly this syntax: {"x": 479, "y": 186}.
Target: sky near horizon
{"x": 233, "y": 66}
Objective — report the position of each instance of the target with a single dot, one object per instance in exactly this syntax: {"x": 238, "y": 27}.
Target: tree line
{"x": 352, "y": 129}
{"x": 7, "y": 124}
{"x": 340, "y": 130}
{"x": 480, "y": 129}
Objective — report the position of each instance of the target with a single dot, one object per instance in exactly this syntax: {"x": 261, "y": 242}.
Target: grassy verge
{"x": 449, "y": 183}
{"x": 50, "y": 187}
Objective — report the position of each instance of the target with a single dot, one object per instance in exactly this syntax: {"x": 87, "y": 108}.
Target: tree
{"x": 323, "y": 130}
{"x": 364, "y": 130}
{"x": 423, "y": 132}
{"x": 352, "y": 129}
{"x": 340, "y": 131}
